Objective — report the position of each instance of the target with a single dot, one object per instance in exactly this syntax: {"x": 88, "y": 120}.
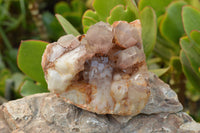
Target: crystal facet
{"x": 103, "y": 71}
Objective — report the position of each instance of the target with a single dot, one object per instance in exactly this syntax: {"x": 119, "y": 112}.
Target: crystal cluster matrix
{"x": 103, "y": 71}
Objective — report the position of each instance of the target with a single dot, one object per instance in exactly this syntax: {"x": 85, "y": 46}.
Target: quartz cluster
{"x": 103, "y": 71}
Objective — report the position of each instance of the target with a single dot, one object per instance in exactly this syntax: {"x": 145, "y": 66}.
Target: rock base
{"x": 46, "y": 113}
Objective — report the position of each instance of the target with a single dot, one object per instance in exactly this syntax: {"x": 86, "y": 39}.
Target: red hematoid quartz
{"x": 103, "y": 71}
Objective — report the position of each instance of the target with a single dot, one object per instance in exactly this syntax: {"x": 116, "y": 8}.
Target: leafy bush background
{"x": 171, "y": 39}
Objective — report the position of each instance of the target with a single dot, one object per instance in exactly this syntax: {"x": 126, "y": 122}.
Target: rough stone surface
{"x": 47, "y": 113}
{"x": 4, "y": 128}
{"x": 162, "y": 98}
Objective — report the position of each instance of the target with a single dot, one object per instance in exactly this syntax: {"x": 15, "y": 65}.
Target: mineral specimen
{"x": 103, "y": 71}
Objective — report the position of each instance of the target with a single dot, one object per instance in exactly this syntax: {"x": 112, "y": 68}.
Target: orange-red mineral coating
{"x": 103, "y": 71}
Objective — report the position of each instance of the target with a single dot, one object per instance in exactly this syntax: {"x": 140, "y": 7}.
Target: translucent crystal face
{"x": 103, "y": 71}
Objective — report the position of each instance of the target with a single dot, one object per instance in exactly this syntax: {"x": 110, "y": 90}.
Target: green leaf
{"x": 191, "y": 19}
{"x": 175, "y": 64}
{"x": 110, "y": 11}
{"x": 191, "y": 92}
{"x": 195, "y": 38}
{"x": 120, "y": 13}
{"x": 52, "y": 26}
{"x": 23, "y": 12}
{"x": 103, "y": 7}
{"x": 29, "y": 59}
{"x": 194, "y": 3}
{"x": 18, "y": 79}
{"x": 149, "y": 29}
{"x": 195, "y": 35}
{"x": 159, "y": 19}
{"x": 15, "y": 23}
{"x": 171, "y": 27}
{"x": 5, "y": 39}
{"x": 133, "y": 7}
{"x": 162, "y": 47}
{"x": 89, "y": 18}
{"x": 159, "y": 72}
{"x": 2, "y": 64}
{"x": 74, "y": 18}
{"x": 189, "y": 72}
{"x": 68, "y": 28}
{"x": 62, "y": 7}
{"x": 158, "y": 5}
{"x": 78, "y": 6}
{"x": 29, "y": 88}
{"x": 72, "y": 12}
{"x": 89, "y": 4}
{"x": 153, "y": 61}
{"x": 11, "y": 59}
{"x": 4, "y": 75}
{"x": 191, "y": 53}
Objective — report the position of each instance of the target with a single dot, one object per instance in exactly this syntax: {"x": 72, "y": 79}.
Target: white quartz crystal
{"x": 103, "y": 71}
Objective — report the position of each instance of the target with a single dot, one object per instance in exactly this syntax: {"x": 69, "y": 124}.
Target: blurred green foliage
{"x": 10, "y": 76}
{"x": 72, "y": 12}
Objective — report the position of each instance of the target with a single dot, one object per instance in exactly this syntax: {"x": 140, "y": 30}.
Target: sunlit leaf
{"x": 163, "y": 46}
{"x": 195, "y": 35}
{"x": 159, "y": 72}
{"x": 153, "y": 60}
{"x": 191, "y": 53}
{"x": 149, "y": 29}
{"x": 29, "y": 88}
{"x": 67, "y": 26}
{"x": 103, "y": 7}
{"x": 189, "y": 72}
{"x": 158, "y": 5}
{"x": 29, "y": 59}
{"x": 171, "y": 26}
{"x": 89, "y": 18}
{"x": 110, "y": 11}
{"x": 191, "y": 19}
{"x": 194, "y": 3}
{"x": 120, "y": 13}
{"x": 78, "y": 6}
{"x": 52, "y": 26}
{"x": 195, "y": 38}
{"x": 133, "y": 7}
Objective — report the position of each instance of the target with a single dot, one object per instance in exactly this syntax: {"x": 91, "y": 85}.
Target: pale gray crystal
{"x": 100, "y": 37}
{"x": 86, "y": 75}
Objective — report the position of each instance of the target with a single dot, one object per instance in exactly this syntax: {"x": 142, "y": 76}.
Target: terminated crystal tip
{"x": 103, "y": 71}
